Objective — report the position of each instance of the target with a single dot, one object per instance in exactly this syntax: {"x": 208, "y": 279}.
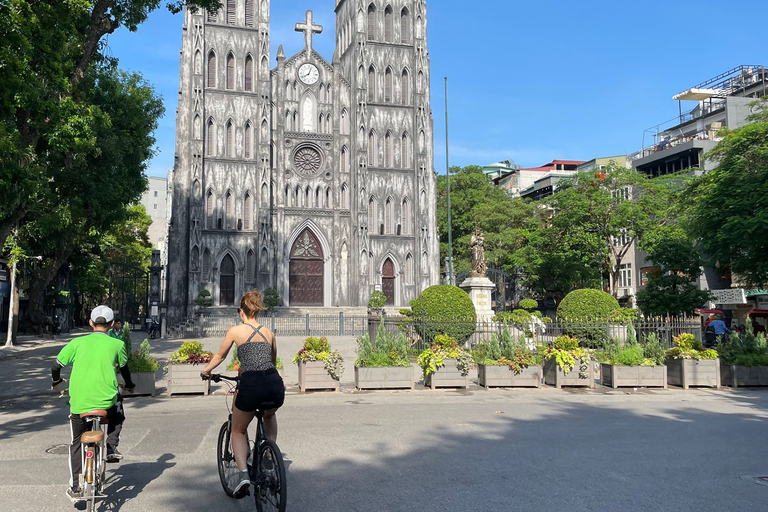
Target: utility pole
{"x": 448, "y": 179}
{"x": 13, "y": 308}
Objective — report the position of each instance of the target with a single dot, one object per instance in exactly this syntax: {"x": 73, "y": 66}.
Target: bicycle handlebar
{"x": 216, "y": 377}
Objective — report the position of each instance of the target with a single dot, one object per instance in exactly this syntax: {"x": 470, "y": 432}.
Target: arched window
{"x": 211, "y": 138}
{"x": 298, "y": 200}
{"x": 231, "y": 12}
{"x": 287, "y": 196}
{"x": 372, "y": 216}
{"x": 295, "y": 124}
{"x": 388, "y": 217}
{"x": 248, "y": 140}
{"x": 328, "y": 198}
{"x": 409, "y": 269}
{"x": 405, "y": 88}
{"x": 307, "y": 192}
{"x": 197, "y": 128}
{"x": 195, "y": 259}
{"x": 248, "y": 73}
{"x": 264, "y": 130}
{"x": 419, "y": 28}
{"x": 211, "y": 69}
{"x": 229, "y": 211}
{"x": 328, "y": 123}
{"x": 230, "y": 139}
{"x": 405, "y": 26}
{"x": 405, "y": 149}
{"x": 288, "y": 90}
{"x": 318, "y": 197}
{"x": 422, "y": 141}
{"x": 249, "y": 13}
{"x": 206, "y": 265}
{"x": 372, "y": 149}
{"x": 344, "y": 197}
{"x": 388, "y": 150}
{"x": 287, "y": 120}
{"x": 210, "y": 203}
{"x": 265, "y": 195}
{"x": 198, "y": 63}
{"x": 264, "y": 260}
{"x": 197, "y": 190}
{"x": 264, "y": 66}
{"x": 371, "y": 84}
{"x": 230, "y": 79}
{"x": 250, "y": 266}
{"x": 345, "y": 159}
{"x": 371, "y": 22}
{"x": 389, "y": 25}
{"x": 405, "y": 215}
{"x": 248, "y": 212}
{"x": 388, "y": 85}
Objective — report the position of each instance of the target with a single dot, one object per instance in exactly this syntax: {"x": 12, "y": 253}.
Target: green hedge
{"x": 587, "y": 304}
{"x": 444, "y": 309}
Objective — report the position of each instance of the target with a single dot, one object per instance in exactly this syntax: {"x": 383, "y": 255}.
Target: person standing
{"x": 92, "y": 386}
{"x": 117, "y": 330}
{"x": 113, "y": 455}
{"x": 721, "y": 330}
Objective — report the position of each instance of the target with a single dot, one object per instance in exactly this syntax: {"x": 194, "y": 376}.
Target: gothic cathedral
{"x": 313, "y": 178}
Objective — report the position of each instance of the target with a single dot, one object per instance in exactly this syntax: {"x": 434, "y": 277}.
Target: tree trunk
{"x": 40, "y": 280}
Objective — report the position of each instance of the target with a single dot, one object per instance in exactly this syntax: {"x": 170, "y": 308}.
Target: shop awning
{"x": 709, "y": 312}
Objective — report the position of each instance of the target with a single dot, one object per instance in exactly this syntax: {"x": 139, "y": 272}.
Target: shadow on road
{"x": 126, "y": 482}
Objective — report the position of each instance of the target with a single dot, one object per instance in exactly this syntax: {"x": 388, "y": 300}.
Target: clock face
{"x": 309, "y": 74}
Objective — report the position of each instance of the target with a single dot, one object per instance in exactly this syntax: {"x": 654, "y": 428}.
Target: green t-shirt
{"x": 93, "y": 382}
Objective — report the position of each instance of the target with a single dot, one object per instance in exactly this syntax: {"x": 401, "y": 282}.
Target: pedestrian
{"x": 92, "y": 386}
{"x": 721, "y": 330}
{"x": 117, "y": 330}
{"x": 113, "y": 455}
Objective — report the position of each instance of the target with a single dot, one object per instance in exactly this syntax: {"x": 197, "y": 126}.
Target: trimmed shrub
{"x": 587, "y": 304}
{"x": 444, "y": 309}
{"x": 529, "y": 304}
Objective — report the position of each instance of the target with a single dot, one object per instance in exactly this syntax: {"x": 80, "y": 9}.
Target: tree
{"x": 671, "y": 289}
{"x": 507, "y": 223}
{"x": 729, "y": 205}
{"x": 597, "y": 217}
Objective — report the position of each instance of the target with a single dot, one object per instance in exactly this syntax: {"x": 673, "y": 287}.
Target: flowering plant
{"x": 190, "y": 352}
{"x": 565, "y": 351}
{"x": 688, "y": 347}
{"x": 444, "y": 347}
{"x": 318, "y": 349}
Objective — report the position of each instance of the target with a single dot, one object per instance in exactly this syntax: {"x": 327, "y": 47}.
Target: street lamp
{"x": 13, "y": 305}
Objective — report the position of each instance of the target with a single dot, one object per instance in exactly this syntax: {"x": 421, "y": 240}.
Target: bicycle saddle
{"x": 96, "y": 412}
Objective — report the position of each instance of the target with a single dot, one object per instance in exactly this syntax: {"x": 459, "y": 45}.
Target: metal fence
{"x": 209, "y": 326}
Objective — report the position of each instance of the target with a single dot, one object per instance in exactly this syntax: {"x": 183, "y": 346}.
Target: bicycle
{"x": 266, "y": 470}
{"x": 94, "y": 458}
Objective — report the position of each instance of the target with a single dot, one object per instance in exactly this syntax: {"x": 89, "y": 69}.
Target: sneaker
{"x": 74, "y": 494}
{"x": 113, "y": 455}
{"x": 242, "y": 489}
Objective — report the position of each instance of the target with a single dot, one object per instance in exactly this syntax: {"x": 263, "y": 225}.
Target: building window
{"x": 388, "y": 85}
{"x": 371, "y": 22}
{"x": 248, "y": 212}
{"x": 231, "y": 12}
{"x": 154, "y": 206}
{"x": 230, "y": 71}
{"x": 389, "y": 26}
{"x": 372, "y": 217}
{"x": 248, "y": 73}
{"x": 211, "y": 69}
{"x": 371, "y": 84}
{"x": 230, "y": 140}
{"x": 211, "y": 138}
{"x": 372, "y": 149}
{"x": 625, "y": 276}
{"x": 155, "y": 193}
{"x": 405, "y": 26}
{"x": 405, "y": 88}
{"x": 248, "y": 13}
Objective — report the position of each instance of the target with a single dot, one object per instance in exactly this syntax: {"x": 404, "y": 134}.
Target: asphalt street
{"x": 422, "y": 450}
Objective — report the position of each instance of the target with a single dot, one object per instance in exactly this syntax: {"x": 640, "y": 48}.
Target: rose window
{"x": 307, "y": 160}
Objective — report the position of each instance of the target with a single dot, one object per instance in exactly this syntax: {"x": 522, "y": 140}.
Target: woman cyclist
{"x": 259, "y": 381}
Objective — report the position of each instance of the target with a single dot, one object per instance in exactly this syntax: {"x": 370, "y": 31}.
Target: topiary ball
{"x": 587, "y": 304}
{"x": 444, "y": 309}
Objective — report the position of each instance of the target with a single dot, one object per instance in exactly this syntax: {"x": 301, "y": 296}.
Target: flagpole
{"x": 448, "y": 180}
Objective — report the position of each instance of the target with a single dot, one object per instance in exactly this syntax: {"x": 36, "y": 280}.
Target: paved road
{"x": 528, "y": 450}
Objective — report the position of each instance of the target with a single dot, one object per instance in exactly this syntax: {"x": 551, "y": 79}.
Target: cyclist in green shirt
{"x": 93, "y": 384}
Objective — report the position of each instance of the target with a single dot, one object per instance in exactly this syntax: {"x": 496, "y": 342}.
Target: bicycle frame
{"x": 93, "y": 462}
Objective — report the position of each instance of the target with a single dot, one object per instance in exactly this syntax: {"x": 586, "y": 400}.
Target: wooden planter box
{"x": 447, "y": 377}
{"x": 185, "y": 378}
{"x": 390, "y": 377}
{"x": 145, "y": 384}
{"x": 490, "y": 376}
{"x": 554, "y": 376}
{"x": 313, "y": 376}
{"x": 616, "y": 376}
{"x": 738, "y": 376}
{"x": 693, "y": 372}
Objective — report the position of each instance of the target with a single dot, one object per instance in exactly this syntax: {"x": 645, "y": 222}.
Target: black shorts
{"x": 257, "y": 389}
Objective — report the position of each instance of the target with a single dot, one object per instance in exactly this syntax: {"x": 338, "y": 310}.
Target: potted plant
{"x": 384, "y": 365}
{"x": 445, "y": 364}
{"x": 744, "y": 358}
{"x": 184, "y": 371}
{"x": 503, "y": 362}
{"x": 635, "y": 365}
{"x": 689, "y": 364}
{"x": 319, "y": 366}
{"x": 376, "y": 303}
{"x": 142, "y": 367}
{"x": 567, "y": 364}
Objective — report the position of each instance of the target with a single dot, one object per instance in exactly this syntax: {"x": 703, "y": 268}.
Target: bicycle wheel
{"x": 89, "y": 495}
{"x": 229, "y": 474}
{"x": 271, "y": 490}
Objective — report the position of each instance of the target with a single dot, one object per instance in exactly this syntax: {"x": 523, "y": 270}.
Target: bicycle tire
{"x": 225, "y": 460}
{"x": 89, "y": 495}
{"x": 271, "y": 489}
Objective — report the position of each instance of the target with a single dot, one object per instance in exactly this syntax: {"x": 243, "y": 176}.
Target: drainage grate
{"x": 58, "y": 449}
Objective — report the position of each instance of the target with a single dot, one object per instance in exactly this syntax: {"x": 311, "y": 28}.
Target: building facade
{"x": 155, "y": 202}
{"x": 314, "y": 178}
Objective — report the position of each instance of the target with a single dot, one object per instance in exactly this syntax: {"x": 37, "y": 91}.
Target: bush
{"x": 688, "y": 347}
{"x": 390, "y": 350}
{"x": 443, "y": 309}
{"x": 127, "y": 340}
{"x": 377, "y": 301}
{"x": 745, "y": 349}
{"x": 318, "y": 349}
{"x": 141, "y": 361}
{"x": 190, "y": 352}
{"x": 529, "y": 304}
{"x": 444, "y": 347}
{"x": 204, "y": 298}
{"x": 586, "y": 305}
{"x": 271, "y": 299}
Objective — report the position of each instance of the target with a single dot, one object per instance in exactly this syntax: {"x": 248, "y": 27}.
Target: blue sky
{"x": 530, "y": 81}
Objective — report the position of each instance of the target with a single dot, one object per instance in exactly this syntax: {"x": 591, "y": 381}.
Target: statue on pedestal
{"x": 477, "y": 246}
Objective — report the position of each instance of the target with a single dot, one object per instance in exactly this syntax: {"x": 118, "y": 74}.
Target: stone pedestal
{"x": 480, "y": 290}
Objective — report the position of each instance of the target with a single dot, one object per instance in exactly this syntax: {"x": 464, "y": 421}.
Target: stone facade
{"x": 313, "y": 178}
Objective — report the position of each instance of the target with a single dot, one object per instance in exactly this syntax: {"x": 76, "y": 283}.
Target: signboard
{"x": 762, "y": 302}
{"x": 377, "y": 287}
{"x": 3, "y": 273}
{"x": 729, "y": 296}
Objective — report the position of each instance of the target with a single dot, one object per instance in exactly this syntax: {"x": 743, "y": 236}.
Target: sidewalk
{"x": 25, "y": 342}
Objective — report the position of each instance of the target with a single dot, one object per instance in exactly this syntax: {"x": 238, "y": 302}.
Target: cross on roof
{"x": 309, "y": 29}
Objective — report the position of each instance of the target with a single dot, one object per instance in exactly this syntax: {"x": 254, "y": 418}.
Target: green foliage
{"x": 443, "y": 309}
{"x": 653, "y": 350}
{"x": 318, "y": 349}
{"x": 141, "y": 361}
{"x": 271, "y": 299}
{"x": 204, "y": 298}
{"x": 444, "y": 347}
{"x": 190, "y": 352}
{"x": 529, "y": 304}
{"x": 587, "y": 304}
{"x": 565, "y": 351}
{"x": 391, "y": 349}
{"x": 234, "y": 361}
{"x": 688, "y": 347}
{"x": 745, "y": 349}
{"x": 631, "y": 333}
{"x": 727, "y": 211}
{"x": 127, "y": 339}
{"x": 502, "y": 350}
{"x": 377, "y": 301}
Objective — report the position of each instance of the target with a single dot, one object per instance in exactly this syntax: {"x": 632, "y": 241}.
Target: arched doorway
{"x": 227, "y": 281}
{"x": 306, "y": 274}
{"x": 388, "y": 281}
